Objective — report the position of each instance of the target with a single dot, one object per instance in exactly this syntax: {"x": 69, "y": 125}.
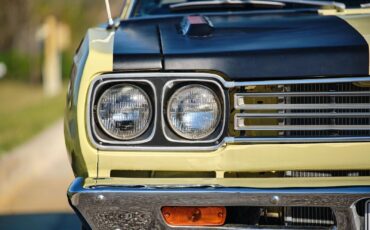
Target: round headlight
{"x": 124, "y": 111}
{"x": 194, "y": 112}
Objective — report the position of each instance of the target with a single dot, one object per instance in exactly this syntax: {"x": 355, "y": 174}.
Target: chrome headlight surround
{"x": 129, "y": 117}
{"x": 170, "y": 89}
{"x": 213, "y": 110}
{"x": 97, "y": 134}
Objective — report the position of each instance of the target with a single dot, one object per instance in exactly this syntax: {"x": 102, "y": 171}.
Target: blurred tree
{"x": 13, "y": 16}
{"x": 20, "y": 19}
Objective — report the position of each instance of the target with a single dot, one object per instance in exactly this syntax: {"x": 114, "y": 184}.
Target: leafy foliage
{"x": 21, "y": 19}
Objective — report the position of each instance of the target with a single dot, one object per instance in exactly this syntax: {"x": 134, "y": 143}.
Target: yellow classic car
{"x": 223, "y": 114}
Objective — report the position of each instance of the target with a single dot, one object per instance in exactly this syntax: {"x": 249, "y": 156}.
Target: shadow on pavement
{"x": 55, "y": 221}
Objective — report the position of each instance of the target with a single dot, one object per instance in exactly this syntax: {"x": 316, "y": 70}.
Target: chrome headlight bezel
{"x": 216, "y": 121}
{"x": 170, "y": 88}
{"x": 159, "y": 136}
{"x": 98, "y": 136}
{"x": 143, "y": 129}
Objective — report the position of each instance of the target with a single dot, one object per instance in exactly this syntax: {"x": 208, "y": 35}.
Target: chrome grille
{"x": 308, "y": 216}
{"x": 328, "y": 173}
{"x": 303, "y": 112}
{"x": 320, "y": 216}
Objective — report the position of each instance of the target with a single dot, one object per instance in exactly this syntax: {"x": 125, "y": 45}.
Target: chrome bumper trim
{"x": 138, "y": 207}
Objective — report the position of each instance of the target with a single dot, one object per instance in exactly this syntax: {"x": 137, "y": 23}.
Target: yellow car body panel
{"x": 243, "y": 158}
{"x": 99, "y": 60}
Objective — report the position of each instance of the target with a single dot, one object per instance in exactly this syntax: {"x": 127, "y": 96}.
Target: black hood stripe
{"x": 246, "y": 47}
{"x": 360, "y": 23}
{"x": 136, "y": 47}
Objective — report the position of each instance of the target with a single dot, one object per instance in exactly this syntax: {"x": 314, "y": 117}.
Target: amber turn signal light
{"x": 194, "y": 216}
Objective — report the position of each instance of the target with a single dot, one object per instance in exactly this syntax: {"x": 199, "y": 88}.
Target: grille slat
{"x": 301, "y": 106}
{"x": 304, "y": 127}
{"x": 300, "y": 115}
{"x": 298, "y": 139}
{"x": 333, "y": 112}
{"x": 303, "y": 94}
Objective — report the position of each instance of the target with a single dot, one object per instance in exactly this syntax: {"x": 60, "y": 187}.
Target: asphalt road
{"x": 35, "y": 178}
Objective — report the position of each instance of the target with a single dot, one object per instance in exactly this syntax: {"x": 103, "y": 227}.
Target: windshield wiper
{"x": 193, "y": 5}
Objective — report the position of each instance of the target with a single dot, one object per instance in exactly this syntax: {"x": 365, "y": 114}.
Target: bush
{"x": 22, "y": 67}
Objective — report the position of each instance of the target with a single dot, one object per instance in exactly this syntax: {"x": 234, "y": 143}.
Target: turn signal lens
{"x": 194, "y": 216}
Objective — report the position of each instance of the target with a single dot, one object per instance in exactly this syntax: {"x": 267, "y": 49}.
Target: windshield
{"x": 162, "y": 7}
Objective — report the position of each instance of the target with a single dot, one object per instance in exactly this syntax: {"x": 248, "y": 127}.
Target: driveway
{"x": 35, "y": 178}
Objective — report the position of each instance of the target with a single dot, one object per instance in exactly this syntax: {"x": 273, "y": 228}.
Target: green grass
{"x": 24, "y": 112}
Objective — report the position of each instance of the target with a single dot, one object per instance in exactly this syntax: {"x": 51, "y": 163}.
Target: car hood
{"x": 246, "y": 46}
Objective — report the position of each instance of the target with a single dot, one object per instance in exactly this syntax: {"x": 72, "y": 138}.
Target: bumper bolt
{"x": 275, "y": 200}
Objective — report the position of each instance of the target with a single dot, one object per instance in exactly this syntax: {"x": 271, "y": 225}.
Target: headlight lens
{"x": 194, "y": 112}
{"x": 124, "y": 111}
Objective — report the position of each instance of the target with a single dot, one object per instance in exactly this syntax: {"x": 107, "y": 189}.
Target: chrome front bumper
{"x": 138, "y": 207}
